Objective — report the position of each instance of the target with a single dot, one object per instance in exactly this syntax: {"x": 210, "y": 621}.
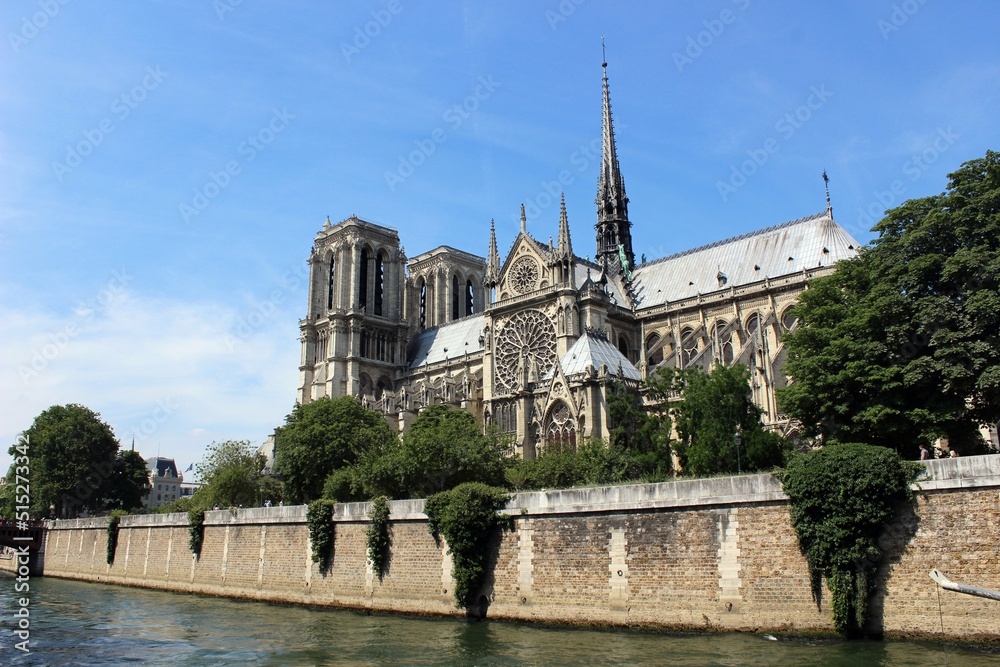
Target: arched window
{"x": 330, "y": 281}
{"x": 363, "y": 280}
{"x": 788, "y": 320}
{"x": 470, "y": 301}
{"x": 689, "y": 347}
{"x": 560, "y": 434}
{"x": 454, "y": 297}
{"x": 723, "y": 338}
{"x": 423, "y": 304}
{"x": 654, "y": 349}
{"x": 379, "y": 282}
{"x": 753, "y": 330}
{"x": 623, "y": 346}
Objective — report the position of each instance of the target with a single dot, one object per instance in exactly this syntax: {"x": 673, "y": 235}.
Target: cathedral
{"x": 532, "y": 341}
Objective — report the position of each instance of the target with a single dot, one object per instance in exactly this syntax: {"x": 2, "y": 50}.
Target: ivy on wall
{"x": 467, "y": 517}
{"x": 319, "y": 518}
{"x": 842, "y": 497}
{"x": 196, "y": 530}
{"x": 378, "y": 535}
{"x": 113, "y": 520}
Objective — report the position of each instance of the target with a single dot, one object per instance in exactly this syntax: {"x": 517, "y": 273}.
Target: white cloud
{"x": 178, "y": 375}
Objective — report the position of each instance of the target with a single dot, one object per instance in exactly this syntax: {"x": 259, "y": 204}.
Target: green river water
{"x": 76, "y": 623}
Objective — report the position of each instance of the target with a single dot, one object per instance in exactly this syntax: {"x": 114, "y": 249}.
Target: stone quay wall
{"x": 713, "y": 554}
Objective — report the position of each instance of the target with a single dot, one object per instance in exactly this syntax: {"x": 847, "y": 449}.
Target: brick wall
{"x": 701, "y": 554}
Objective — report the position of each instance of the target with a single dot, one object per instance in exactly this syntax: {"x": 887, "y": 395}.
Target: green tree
{"x": 712, "y": 408}
{"x": 902, "y": 344}
{"x": 640, "y": 433}
{"x": 321, "y": 437}
{"x": 72, "y": 456}
{"x": 231, "y": 472}
{"x": 443, "y": 448}
{"x": 129, "y": 482}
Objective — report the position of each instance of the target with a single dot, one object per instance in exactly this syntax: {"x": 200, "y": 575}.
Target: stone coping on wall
{"x": 942, "y": 474}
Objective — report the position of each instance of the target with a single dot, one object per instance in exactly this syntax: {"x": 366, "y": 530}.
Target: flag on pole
{"x": 190, "y": 468}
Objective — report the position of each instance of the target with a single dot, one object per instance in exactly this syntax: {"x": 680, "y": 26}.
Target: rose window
{"x": 525, "y": 345}
{"x": 524, "y": 275}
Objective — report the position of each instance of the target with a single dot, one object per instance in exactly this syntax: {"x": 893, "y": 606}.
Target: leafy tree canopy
{"x": 129, "y": 482}
{"x": 712, "y": 408}
{"x": 321, "y": 437}
{"x": 72, "y": 462}
{"x": 443, "y": 448}
{"x": 231, "y": 473}
{"x": 902, "y": 343}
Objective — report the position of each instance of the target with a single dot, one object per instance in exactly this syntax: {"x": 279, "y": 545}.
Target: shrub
{"x": 842, "y": 497}
{"x": 467, "y": 516}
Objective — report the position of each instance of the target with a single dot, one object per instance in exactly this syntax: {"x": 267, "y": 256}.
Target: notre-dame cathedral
{"x": 530, "y": 342}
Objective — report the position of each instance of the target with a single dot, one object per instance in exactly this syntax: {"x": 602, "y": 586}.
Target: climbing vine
{"x": 466, "y": 516}
{"x": 113, "y": 520}
{"x": 842, "y": 497}
{"x": 319, "y": 517}
{"x": 196, "y": 530}
{"x": 378, "y": 535}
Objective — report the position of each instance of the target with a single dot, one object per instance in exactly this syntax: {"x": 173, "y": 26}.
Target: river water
{"x": 77, "y": 623}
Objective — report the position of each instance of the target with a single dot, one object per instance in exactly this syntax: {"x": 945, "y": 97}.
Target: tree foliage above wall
{"x": 324, "y": 436}
{"x": 902, "y": 343}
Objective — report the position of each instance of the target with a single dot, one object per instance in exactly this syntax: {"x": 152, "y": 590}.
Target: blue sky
{"x": 164, "y": 166}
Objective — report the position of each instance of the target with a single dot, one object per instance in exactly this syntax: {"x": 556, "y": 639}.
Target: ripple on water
{"x": 77, "y": 623}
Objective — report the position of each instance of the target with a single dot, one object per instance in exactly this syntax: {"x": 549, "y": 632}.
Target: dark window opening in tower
{"x": 364, "y": 344}
{"x": 454, "y": 297}
{"x": 470, "y": 305}
{"x": 423, "y": 305}
{"x": 363, "y": 280}
{"x": 623, "y": 346}
{"x": 330, "y": 284}
{"x": 379, "y": 282}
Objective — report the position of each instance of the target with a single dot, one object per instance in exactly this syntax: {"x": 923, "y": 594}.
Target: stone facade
{"x": 531, "y": 341}
{"x": 716, "y": 554}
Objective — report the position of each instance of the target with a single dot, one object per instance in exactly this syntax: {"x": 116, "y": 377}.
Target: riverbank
{"x": 716, "y": 554}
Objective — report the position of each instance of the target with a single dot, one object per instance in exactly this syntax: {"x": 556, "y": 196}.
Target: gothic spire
{"x": 524, "y": 221}
{"x": 493, "y": 258}
{"x": 829, "y": 206}
{"x": 613, "y": 227}
{"x": 565, "y": 244}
